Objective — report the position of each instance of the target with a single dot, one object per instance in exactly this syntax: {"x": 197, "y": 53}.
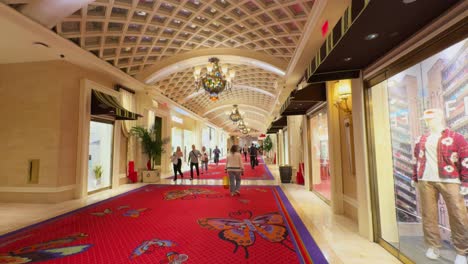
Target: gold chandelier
{"x": 215, "y": 80}
{"x": 235, "y": 115}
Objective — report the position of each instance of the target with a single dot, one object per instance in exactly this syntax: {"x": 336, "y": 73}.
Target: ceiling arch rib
{"x": 241, "y": 106}
{"x": 243, "y": 87}
{"x": 249, "y": 123}
{"x": 155, "y": 73}
{"x": 180, "y": 86}
{"x": 246, "y": 112}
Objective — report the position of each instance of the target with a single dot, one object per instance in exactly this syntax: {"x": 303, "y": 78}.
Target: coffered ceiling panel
{"x": 134, "y": 34}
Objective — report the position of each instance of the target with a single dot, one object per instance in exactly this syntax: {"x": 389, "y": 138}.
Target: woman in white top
{"x": 234, "y": 168}
{"x": 204, "y": 160}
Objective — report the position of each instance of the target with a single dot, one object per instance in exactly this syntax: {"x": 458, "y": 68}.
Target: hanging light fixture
{"x": 235, "y": 116}
{"x": 216, "y": 79}
{"x": 241, "y": 124}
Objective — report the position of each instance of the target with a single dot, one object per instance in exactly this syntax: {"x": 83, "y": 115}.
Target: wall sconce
{"x": 344, "y": 92}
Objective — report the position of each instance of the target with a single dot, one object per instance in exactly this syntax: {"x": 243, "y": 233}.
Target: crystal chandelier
{"x": 241, "y": 124}
{"x": 235, "y": 116}
{"x": 215, "y": 80}
{"x": 245, "y": 131}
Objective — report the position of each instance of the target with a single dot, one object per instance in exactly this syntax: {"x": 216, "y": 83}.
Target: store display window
{"x": 321, "y": 182}
{"x": 419, "y": 121}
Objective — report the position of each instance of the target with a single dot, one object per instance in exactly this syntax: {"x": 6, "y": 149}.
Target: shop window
{"x": 420, "y": 126}
{"x": 321, "y": 182}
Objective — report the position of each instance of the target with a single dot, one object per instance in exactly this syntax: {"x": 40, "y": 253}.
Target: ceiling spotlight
{"x": 141, "y": 13}
{"x": 213, "y": 10}
{"x": 371, "y": 36}
{"x": 128, "y": 49}
{"x": 347, "y": 59}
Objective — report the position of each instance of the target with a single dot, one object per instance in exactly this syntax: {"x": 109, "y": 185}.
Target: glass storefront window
{"x": 100, "y": 155}
{"x": 319, "y": 154}
{"x": 176, "y": 138}
{"x": 420, "y": 126}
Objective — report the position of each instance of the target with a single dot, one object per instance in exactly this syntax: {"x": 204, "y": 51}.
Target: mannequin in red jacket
{"x": 442, "y": 168}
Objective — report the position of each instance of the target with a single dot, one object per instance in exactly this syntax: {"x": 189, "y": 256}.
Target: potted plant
{"x": 268, "y": 146}
{"x": 153, "y": 146}
{"x": 98, "y": 174}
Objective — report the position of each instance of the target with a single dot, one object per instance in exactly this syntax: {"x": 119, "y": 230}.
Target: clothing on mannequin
{"x": 442, "y": 168}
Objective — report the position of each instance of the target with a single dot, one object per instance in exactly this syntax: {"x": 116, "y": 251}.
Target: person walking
{"x": 205, "y": 160}
{"x": 245, "y": 149}
{"x": 253, "y": 156}
{"x": 216, "y": 153}
{"x": 234, "y": 168}
{"x": 193, "y": 159}
{"x": 179, "y": 154}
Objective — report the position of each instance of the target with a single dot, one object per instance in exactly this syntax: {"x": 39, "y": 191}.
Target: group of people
{"x": 234, "y": 164}
{"x": 194, "y": 158}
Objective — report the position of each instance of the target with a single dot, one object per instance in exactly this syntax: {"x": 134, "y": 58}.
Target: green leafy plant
{"x": 152, "y": 144}
{"x": 268, "y": 144}
{"x": 97, "y": 172}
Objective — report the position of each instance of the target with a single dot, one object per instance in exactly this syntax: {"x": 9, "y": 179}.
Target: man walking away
{"x": 253, "y": 156}
{"x": 193, "y": 159}
{"x": 216, "y": 152}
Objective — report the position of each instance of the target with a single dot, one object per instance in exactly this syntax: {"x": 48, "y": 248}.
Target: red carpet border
{"x": 171, "y": 224}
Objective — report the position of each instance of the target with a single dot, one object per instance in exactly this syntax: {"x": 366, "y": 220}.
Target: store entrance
{"x": 100, "y": 155}
{"x": 320, "y": 176}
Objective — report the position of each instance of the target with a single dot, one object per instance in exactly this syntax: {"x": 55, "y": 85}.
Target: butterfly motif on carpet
{"x": 45, "y": 251}
{"x": 241, "y": 229}
{"x": 103, "y": 213}
{"x": 174, "y": 258}
{"x": 150, "y": 245}
{"x": 134, "y": 213}
{"x": 190, "y": 194}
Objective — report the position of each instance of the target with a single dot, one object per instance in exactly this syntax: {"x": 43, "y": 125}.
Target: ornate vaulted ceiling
{"x": 138, "y": 35}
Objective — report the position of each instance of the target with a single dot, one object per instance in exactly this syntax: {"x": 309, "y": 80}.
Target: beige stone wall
{"x": 40, "y": 121}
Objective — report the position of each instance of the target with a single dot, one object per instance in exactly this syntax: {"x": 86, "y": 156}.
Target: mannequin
{"x": 442, "y": 168}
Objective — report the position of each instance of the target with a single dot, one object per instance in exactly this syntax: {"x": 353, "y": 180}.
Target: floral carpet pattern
{"x": 171, "y": 224}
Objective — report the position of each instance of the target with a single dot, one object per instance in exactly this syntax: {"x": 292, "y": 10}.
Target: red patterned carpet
{"x": 260, "y": 172}
{"x": 171, "y": 224}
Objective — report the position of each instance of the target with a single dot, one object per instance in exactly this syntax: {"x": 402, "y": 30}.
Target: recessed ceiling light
{"x": 408, "y": 1}
{"x": 371, "y": 36}
{"x": 141, "y": 13}
{"x": 128, "y": 49}
{"x": 193, "y": 26}
{"x": 213, "y": 10}
{"x": 348, "y": 59}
